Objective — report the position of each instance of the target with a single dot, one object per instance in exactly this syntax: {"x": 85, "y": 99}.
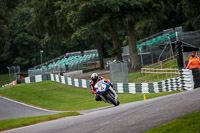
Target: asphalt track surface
{"x": 10, "y": 109}
{"x": 134, "y": 117}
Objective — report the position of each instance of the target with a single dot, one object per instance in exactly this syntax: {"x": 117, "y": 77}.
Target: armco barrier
{"x": 184, "y": 82}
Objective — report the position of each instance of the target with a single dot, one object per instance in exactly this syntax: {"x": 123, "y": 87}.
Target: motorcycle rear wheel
{"x": 112, "y": 99}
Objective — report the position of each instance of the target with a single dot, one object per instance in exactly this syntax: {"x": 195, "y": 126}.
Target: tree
{"x": 192, "y": 13}
{"x": 21, "y": 45}
{"x": 51, "y": 17}
{"x": 3, "y": 27}
{"x": 134, "y": 12}
{"x": 45, "y": 20}
{"x": 6, "y": 9}
{"x": 96, "y": 18}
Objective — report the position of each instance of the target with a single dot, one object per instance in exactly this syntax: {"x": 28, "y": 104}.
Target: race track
{"x": 10, "y": 109}
{"x": 134, "y": 117}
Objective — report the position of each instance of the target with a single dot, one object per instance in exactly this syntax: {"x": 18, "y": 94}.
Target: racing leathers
{"x": 93, "y": 89}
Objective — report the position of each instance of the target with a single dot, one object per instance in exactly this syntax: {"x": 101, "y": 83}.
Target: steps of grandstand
{"x": 68, "y": 62}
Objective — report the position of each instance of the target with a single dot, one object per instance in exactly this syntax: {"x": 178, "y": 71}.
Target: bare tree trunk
{"x": 100, "y": 50}
{"x": 135, "y": 63}
{"x": 115, "y": 40}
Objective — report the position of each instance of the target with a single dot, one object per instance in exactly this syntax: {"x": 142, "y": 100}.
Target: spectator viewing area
{"x": 67, "y": 62}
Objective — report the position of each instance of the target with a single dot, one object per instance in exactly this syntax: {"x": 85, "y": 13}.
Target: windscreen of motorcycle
{"x": 100, "y": 86}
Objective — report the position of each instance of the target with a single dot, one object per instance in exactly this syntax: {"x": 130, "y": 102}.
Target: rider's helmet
{"x": 94, "y": 77}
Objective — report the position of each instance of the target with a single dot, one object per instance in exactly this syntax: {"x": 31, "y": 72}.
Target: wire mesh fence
{"x": 191, "y": 38}
{"x": 161, "y": 46}
{"x": 119, "y": 72}
{"x": 13, "y": 71}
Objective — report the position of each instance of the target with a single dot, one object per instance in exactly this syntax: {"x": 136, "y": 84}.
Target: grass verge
{"x": 56, "y": 96}
{"x": 189, "y": 123}
{"x": 20, "y": 122}
{"x": 136, "y": 77}
{"x": 4, "y": 79}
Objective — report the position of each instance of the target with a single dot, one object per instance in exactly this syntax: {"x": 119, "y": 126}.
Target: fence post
{"x": 157, "y": 74}
{"x": 161, "y": 64}
{"x": 142, "y": 71}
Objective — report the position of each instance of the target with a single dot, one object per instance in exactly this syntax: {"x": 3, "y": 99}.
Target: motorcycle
{"x": 107, "y": 93}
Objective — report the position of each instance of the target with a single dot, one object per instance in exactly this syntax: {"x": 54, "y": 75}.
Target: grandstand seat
{"x": 172, "y": 35}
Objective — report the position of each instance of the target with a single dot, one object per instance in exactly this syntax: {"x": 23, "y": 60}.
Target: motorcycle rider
{"x": 95, "y": 78}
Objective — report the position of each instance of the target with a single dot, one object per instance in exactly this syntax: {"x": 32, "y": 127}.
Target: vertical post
{"x": 151, "y": 54}
{"x": 157, "y": 74}
{"x": 14, "y": 68}
{"x": 41, "y": 51}
{"x": 176, "y": 36}
{"x": 9, "y": 73}
{"x": 153, "y": 72}
{"x": 142, "y": 71}
{"x": 141, "y": 57}
{"x": 171, "y": 73}
{"x": 180, "y": 58}
{"x": 171, "y": 46}
{"x": 160, "y": 64}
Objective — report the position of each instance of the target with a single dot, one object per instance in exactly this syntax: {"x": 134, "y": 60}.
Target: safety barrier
{"x": 70, "y": 81}
{"x": 184, "y": 82}
{"x": 186, "y": 79}
{"x": 9, "y": 84}
{"x": 155, "y": 87}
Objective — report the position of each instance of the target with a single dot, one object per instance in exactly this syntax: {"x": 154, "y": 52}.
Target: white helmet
{"x": 94, "y": 77}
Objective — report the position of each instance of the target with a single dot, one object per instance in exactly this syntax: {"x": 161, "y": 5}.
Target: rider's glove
{"x": 93, "y": 92}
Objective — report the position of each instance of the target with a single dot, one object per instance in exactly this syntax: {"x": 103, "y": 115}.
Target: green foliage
{"x": 192, "y": 13}
{"x": 66, "y": 26}
{"x": 4, "y": 79}
{"x": 20, "y": 42}
{"x": 46, "y": 20}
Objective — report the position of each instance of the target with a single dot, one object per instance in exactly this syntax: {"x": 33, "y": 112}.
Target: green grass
{"x": 171, "y": 64}
{"x": 4, "y": 79}
{"x": 136, "y": 77}
{"x": 56, "y": 96}
{"x": 14, "y": 123}
{"x": 189, "y": 123}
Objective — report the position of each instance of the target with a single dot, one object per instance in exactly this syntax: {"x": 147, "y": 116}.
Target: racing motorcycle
{"x": 107, "y": 93}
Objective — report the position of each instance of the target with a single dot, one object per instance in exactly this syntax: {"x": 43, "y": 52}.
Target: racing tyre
{"x": 111, "y": 99}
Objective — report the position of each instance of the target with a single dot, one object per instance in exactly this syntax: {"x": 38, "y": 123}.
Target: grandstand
{"x": 66, "y": 63}
{"x": 155, "y": 47}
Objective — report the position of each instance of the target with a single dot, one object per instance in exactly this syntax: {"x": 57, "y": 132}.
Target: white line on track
{"x": 31, "y": 105}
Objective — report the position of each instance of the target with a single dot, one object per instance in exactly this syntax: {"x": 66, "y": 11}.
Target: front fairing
{"x": 103, "y": 89}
